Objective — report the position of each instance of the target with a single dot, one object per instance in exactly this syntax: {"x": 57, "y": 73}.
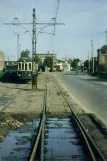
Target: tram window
{"x": 19, "y": 66}
{"x": 22, "y": 66}
{"x": 29, "y": 66}
{"x": 26, "y": 66}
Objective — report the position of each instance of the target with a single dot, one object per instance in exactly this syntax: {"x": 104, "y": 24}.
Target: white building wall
{"x": 1, "y": 60}
{"x": 66, "y": 67}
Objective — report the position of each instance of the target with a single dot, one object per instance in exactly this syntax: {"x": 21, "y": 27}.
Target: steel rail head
{"x": 86, "y": 141}
{"x": 33, "y": 154}
{"x": 43, "y": 128}
{"x": 40, "y": 134}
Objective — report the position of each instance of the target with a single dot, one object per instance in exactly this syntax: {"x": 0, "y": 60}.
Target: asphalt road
{"x": 88, "y": 91}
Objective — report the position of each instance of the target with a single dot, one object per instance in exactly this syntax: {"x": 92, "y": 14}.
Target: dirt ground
{"x": 27, "y": 101}
{"x": 28, "y": 104}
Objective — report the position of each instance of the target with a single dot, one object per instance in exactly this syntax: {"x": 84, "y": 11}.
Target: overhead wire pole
{"x": 34, "y": 64}
{"x": 89, "y": 61}
{"x": 34, "y": 38}
{"x": 105, "y": 37}
{"x": 92, "y": 55}
{"x": 17, "y": 47}
{"x": 58, "y": 2}
{"x": 55, "y": 19}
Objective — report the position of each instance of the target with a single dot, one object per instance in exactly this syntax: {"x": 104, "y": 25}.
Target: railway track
{"x": 5, "y": 93}
{"x": 12, "y": 99}
{"x": 63, "y": 138}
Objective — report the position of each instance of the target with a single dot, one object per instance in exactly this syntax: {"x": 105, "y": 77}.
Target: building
{"x": 59, "y": 66}
{"x": 102, "y": 56}
{"x": 42, "y": 56}
{"x": 102, "y": 60}
{"x": 66, "y": 66}
{"x": 1, "y": 60}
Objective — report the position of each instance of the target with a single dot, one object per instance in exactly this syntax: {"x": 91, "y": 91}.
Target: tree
{"x": 39, "y": 62}
{"x": 25, "y": 54}
{"x": 74, "y": 63}
{"x": 86, "y": 64}
{"x": 48, "y": 62}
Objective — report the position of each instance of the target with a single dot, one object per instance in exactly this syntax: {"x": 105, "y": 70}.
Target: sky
{"x": 85, "y": 20}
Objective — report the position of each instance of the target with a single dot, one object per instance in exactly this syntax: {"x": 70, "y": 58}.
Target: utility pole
{"x": 17, "y": 47}
{"x": 105, "y": 37}
{"x": 89, "y": 60}
{"x": 92, "y": 56}
{"x": 19, "y": 50}
{"x": 34, "y": 63}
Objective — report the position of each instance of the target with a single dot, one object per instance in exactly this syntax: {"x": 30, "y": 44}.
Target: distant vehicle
{"x": 59, "y": 67}
{"x": 24, "y": 71}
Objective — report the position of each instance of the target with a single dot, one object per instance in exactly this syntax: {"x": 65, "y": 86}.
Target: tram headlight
{"x": 19, "y": 75}
{"x": 29, "y": 75}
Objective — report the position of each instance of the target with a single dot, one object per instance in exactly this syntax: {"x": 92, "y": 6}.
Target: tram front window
{"x": 19, "y": 66}
{"x": 26, "y": 66}
{"x": 29, "y": 66}
{"x": 22, "y": 66}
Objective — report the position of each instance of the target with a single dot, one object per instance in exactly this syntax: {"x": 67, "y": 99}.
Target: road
{"x": 88, "y": 91}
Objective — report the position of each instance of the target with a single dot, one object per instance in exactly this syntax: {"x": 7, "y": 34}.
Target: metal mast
{"x": 92, "y": 56}
{"x": 105, "y": 37}
{"x": 34, "y": 35}
{"x": 34, "y": 64}
{"x": 88, "y": 60}
{"x": 17, "y": 47}
{"x": 58, "y": 2}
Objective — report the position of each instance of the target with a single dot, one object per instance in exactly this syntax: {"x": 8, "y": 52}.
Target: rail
{"x": 40, "y": 134}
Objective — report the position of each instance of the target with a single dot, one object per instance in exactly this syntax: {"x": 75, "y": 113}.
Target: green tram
{"x": 24, "y": 71}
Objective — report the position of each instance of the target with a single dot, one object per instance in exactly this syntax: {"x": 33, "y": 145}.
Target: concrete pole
{"x": 17, "y": 46}
{"x": 88, "y": 60}
{"x": 92, "y": 55}
{"x": 20, "y": 51}
{"x": 105, "y": 37}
